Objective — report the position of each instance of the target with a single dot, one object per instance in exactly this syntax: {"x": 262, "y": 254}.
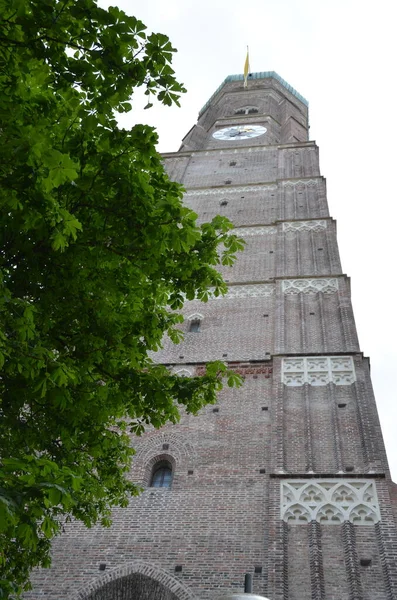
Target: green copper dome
{"x": 259, "y": 75}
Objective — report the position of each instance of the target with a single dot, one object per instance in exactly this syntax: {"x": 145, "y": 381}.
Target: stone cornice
{"x": 235, "y": 189}
{"x": 292, "y": 146}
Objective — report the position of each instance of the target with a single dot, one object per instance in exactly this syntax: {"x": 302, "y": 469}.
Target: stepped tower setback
{"x": 285, "y": 478}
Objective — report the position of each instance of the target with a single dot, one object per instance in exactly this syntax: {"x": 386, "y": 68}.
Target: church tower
{"x": 285, "y": 478}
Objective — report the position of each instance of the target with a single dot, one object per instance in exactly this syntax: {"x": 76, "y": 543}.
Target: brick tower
{"x": 287, "y": 477}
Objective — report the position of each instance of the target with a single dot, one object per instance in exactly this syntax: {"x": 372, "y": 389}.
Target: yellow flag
{"x": 246, "y": 68}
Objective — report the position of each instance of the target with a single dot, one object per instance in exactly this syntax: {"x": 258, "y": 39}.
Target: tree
{"x": 97, "y": 254}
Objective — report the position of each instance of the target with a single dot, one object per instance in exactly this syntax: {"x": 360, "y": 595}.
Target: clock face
{"x": 239, "y": 132}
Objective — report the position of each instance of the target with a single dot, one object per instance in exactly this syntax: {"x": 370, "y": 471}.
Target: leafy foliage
{"x": 97, "y": 251}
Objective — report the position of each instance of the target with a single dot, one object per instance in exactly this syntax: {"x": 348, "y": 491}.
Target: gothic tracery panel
{"x": 318, "y": 370}
{"x": 310, "y": 286}
{"x": 329, "y": 501}
{"x": 250, "y": 231}
{"x": 246, "y": 291}
{"x": 304, "y": 226}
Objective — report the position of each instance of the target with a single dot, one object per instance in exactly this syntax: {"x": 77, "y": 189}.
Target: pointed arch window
{"x": 161, "y": 475}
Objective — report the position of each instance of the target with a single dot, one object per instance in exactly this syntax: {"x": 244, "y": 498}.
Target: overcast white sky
{"x": 341, "y": 56}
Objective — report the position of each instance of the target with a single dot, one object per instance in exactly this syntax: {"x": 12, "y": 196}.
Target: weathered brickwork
{"x": 253, "y": 165}
{"x": 262, "y": 204}
{"x": 287, "y": 477}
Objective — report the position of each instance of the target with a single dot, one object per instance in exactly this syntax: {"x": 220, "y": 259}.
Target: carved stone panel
{"x": 304, "y": 226}
{"x": 329, "y": 501}
{"x": 247, "y": 291}
{"x": 310, "y": 286}
{"x": 300, "y": 182}
{"x": 231, "y": 190}
{"x": 250, "y": 231}
{"x": 318, "y": 370}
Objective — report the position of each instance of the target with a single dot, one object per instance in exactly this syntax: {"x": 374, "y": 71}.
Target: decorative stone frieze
{"x": 241, "y": 369}
{"x": 231, "y": 190}
{"x": 329, "y": 501}
{"x": 293, "y": 183}
{"x": 252, "y": 149}
{"x": 247, "y": 291}
{"x": 318, "y": 370}
{"x": 251, "y": 231}
{"x": 304, "y": 226}
{"x": 310, "y": 286}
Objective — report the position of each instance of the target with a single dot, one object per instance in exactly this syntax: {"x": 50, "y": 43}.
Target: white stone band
{"x": 247, "y": 291}
{"x": 251, "y": 231}
{"x": 304, "y": 226}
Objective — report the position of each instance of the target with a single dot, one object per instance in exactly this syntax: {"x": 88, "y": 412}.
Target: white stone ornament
{"x": 249, "y": 150}
{"x": 239, "y": 132}
{"x": 251, "y": 231}
{"x": 304, "y": 226}
{"x": 231, "y": 190}
{"x": 246, "y": 291}
{"x": 310, "y": 286}
{"x": 318, "y": 371}
{"x": 183, "y": 373}
{"x": 329, "y": 501}
{"x": 195, "y": 317}
{"x": 301, "y": 182}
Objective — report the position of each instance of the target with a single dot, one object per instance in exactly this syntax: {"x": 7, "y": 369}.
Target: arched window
{"x": 162, "y": 475}
{"x": 194, "y": 323}
{"x": 194, "y": 326}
